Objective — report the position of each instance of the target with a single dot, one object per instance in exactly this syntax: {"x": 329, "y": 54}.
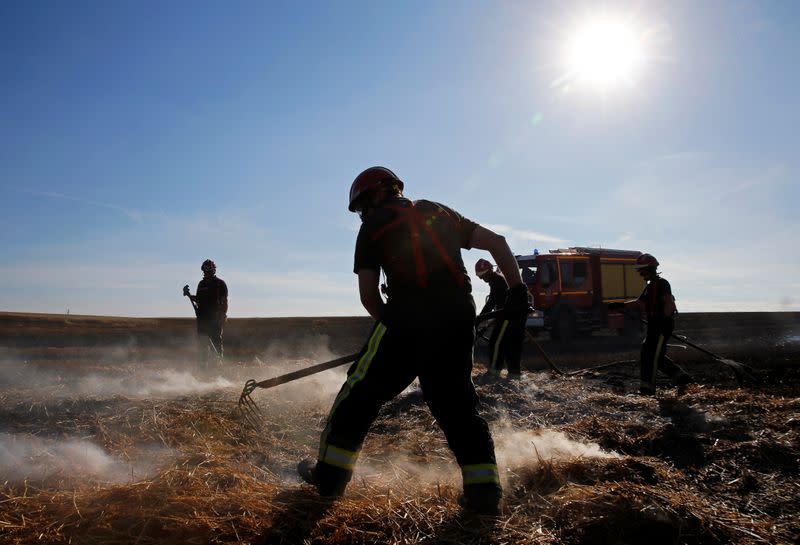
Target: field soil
{"x": 110, "y": 432}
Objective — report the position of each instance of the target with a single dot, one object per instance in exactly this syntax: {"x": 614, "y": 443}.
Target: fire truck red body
{"x": 572, "y": 287}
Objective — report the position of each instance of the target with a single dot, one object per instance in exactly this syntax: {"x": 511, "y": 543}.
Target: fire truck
{"x": 571, "y": 289}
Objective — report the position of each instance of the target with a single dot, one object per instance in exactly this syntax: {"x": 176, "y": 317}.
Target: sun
{"x": 604, "y": 54}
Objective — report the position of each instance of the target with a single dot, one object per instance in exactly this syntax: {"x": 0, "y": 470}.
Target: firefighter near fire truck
{"x": 505, "y": 341}
{"x": 210, "y": 305}
{"x": 425, "y": 330}
{"x": 657, "y": 303}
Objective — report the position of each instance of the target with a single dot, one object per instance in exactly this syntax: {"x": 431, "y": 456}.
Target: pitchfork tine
{"x": 250, "y": 412}
{"x": 247, "y": 406}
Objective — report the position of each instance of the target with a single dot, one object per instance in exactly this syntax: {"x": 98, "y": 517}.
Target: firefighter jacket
{"x": 418, "y": 246}
{"x": 655, "y": 296}
{"x": 498, "y": 287}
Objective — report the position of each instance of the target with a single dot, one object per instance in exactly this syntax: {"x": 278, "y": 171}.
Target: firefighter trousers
{"x": 209, "y": 342}
{"x": 654, "y": 356}
{"x": 389, "y": 362}
{"x": 505, "y": 346}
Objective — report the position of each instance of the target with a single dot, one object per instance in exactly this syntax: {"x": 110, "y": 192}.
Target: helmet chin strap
{"x": 373, "y": 200}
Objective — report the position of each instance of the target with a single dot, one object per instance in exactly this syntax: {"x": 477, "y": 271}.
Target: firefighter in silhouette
{"x": 211, "y": 309}
{"x": 425, "y": 330}
{"x": 505, "y": 342}
{"x": 658, "y": 304}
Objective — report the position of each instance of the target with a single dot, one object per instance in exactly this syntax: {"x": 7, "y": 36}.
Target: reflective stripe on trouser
{"x": 339, "y": 457}
{"x": 505, "y": 345}
{"x": 496, "y": 363}
{"x": 653, "y": 351}
{"x": 335, "y": 455}
{"x": 441, "y": 358}
{"x": 480, "y": 474}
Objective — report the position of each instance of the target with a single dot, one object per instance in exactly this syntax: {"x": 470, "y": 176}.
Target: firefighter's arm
{"x": 488, "y": 306}
{"x": 669, "y": 305}
{"x": 631, "y": 304}
{"x": 368, "y": 280}
{"x": 484, "y": 239}
{"x": 223, "y": 309}
{"x": 193, "y": 298}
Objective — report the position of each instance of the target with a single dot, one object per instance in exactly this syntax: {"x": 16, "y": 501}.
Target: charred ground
{"x": 120, "y": 441}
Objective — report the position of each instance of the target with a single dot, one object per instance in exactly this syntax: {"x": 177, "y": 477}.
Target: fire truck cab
{"x": 572, "y": 287}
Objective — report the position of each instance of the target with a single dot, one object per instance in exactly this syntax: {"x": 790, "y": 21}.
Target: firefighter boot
{"x": 489, "y": 377}
{"x": 328, "y": 483}
{"x": 482, "y": 499}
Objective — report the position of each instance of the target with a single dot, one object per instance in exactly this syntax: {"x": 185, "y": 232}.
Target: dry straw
{"x": 717, "y": 465}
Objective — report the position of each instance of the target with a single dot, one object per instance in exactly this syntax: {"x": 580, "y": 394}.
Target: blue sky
{"x": 139, "y": 138}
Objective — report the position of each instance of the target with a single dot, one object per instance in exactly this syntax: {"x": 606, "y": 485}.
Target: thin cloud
{"x": 524, "y": 235}
{"x": 298, "y": 281}
{"x": 130, "y": 213}
{"x": 95, "y": 276}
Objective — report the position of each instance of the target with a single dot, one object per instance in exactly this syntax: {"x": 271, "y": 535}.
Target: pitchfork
{"x": 253, "y": 415}
{"x": 740, "y": 370}
{"x": 247, "y": 406}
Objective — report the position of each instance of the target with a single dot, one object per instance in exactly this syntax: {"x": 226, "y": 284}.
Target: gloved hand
{"x": 186, "y": 290}
{"x": 616, "y": 306}
{"x": 516, "y": 305}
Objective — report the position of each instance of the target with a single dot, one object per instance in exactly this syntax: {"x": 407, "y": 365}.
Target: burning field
{"x": 126, "y": 442}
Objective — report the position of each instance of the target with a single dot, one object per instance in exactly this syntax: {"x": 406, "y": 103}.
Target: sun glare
{"x": 604, "y": 54}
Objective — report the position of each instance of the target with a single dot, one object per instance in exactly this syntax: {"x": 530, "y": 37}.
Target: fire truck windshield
{"x": 528, "y": 275}
{"x": 547, "y": 273}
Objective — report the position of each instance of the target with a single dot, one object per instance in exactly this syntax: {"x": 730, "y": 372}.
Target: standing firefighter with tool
{"x": 211, "y": 308}
{"x": 426, "y": 329}
{"x": 658, "y": 304}
{"x": 505, "y": 342}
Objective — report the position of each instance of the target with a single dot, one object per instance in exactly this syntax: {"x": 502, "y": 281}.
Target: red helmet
{"x": 370, "y": 179}
{"x": 646, "y": 260}
{"x": 482, "y": 267}
{"x": 208, "y": 266}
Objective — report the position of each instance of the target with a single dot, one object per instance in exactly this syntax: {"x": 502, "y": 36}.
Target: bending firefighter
{"x": 658, "y": 305}
{"x": 425, "y": 330}
{"x": 505, "y": 342}
{"x": 211, "y": 309}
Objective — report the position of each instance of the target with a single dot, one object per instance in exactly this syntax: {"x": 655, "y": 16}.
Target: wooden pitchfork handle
{"x": 187, "y": 293}
{"x": 251, "y": 384}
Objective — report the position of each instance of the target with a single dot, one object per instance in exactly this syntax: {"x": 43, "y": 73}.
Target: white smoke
{"x": 14, "y": 373}
{"x": 791, "y": 339}
{"x": 129, "y": 379}
{"x": 25, "y": 457}
{"x": 513, "y": 449}
{"x": 151, "y": 382}
{"x": 404, "y": 469}
{"x": 516, "y": 448}
{"x": 282, "y": 357}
